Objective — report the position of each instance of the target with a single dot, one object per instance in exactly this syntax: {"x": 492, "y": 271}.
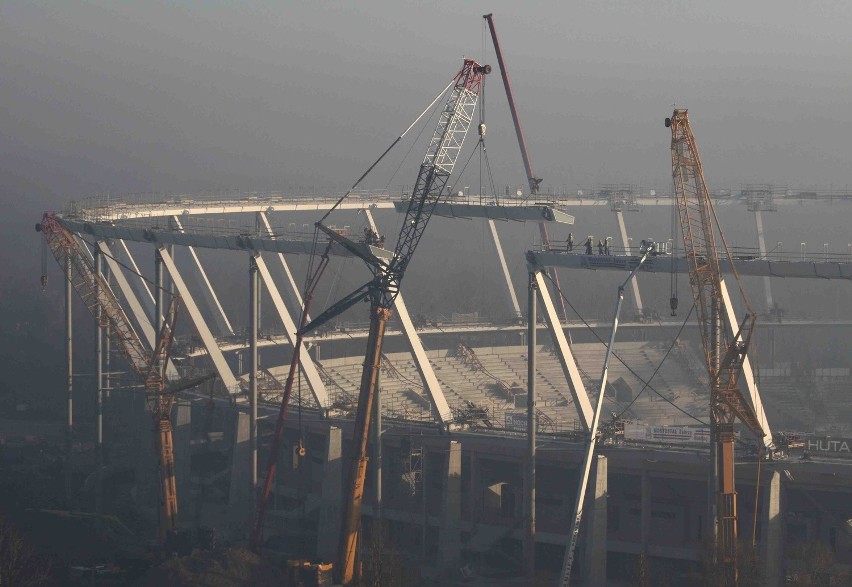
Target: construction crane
{"x": 150, "y": 367}
{"x": 533, "y": 181}
{"x": 381, "y": 292}
{"x": 724, "y": 353}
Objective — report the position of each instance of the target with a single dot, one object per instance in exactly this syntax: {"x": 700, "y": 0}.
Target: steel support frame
{"x": 530, "y": 484}
{"x": 634, "y": 284}
{"x": 440, "y": 407}
{"x": 315, "y": 382}
{"x": 748, "y": 372}
{"x": 294, "y": 289}
{"x": 253, "y": 367}
{"x": 761, "y": 243}
{"x": 201, "y": 327}
{"x": 506, "y": 275}
{"x": 212, "y": 299}
{"x": 146, "y": 297}
{"x": 563, "y": 352}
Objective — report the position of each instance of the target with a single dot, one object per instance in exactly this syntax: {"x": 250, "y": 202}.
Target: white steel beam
{"x": 424, "y": 367}
{"x": 209, "y": 292}
{"x": 310, "y": 370}
{"x": 506, "y": 275}
{"x": 564, "y": 354}
{"x": 297, "y": 296}
{"x": 143, "y": 319}
{"x": 748, "y": 373}
{"x": 201, "y": 327}
{"x": 634, "y": 283}
{"x": 430, "y": 382}
{"x": 140, "y": 285}
{"x": 761, "y": 243}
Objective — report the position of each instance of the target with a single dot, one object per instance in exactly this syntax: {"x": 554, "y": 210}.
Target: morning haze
{"x": 301, "y": 97}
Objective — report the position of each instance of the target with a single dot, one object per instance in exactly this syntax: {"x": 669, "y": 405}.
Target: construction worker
{"x": 570, "y": 241}
{"x": 601, "y": 247}
{"x": 589, "y": 245}
{"x": 606, "y": 245}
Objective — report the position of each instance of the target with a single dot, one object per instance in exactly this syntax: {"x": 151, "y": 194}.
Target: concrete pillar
{"x": 182, "y": 421}
{"x": 331, "y": 506}
{"x": 646, "y": 509}
{"x": 240, "y": 494}
{"x": 773, "y": 534}
{"x": 595, "y": 553}
{"x": 449, "y": 543}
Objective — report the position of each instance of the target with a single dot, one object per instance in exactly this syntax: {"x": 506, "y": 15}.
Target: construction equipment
{"x": 533, "y": 181}
{"x": 724, "y": 354}
{"x": 381, "y": 292}
{"x": 150, "y": 367}
{"x": 591, "y": 441}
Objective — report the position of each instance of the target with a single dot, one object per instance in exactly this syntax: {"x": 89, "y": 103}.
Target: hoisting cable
{"x": 382, "y": 156}
{"x": 413, "y": 143}
{"x": 666, "y": 356}
{"x": 620, "y": 360}
{"x": 126, "y": 267}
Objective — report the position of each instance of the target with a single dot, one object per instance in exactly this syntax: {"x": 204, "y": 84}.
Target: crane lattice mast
{"x": 724, "y": 354}
{"x": 149, "y": 367}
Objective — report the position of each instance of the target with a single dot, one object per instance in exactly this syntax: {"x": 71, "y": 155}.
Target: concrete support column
{"x": 240, "y": 492}
{"x": 773, "y": 534}
{"x": 450, "y": 541}
{"x": 595, "y": 559}
{"x": 182, "y": 420}
{"x": 69, "y": 372}
{"x": 646, "y": 509}
{"x": 331, "y": 506}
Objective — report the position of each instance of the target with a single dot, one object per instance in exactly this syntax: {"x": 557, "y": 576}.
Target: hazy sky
{"x": 191, "y": 96}
{"x": 134, "y": 96}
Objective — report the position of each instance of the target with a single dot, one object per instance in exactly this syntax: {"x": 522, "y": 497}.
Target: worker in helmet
{"x": 589, "y": 245}
{"x": 570, "y": 242}
{"x": 601, "y": 247}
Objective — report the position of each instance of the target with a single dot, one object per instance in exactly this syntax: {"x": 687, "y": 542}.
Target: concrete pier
{"x": 240, "y": 492}
{"x": 449, "y": 543}
{"x": 331, "y": 506}
{"x": 595, "y": 553}
{"x": 773, "y": 538}
{"x": 182, "y": 431}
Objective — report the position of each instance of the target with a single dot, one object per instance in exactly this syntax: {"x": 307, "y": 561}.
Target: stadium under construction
{"x": 449, "y": 471}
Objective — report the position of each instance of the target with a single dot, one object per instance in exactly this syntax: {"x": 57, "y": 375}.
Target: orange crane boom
{"x": 149, "y": 367}
{"x": 724, "y": 354}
